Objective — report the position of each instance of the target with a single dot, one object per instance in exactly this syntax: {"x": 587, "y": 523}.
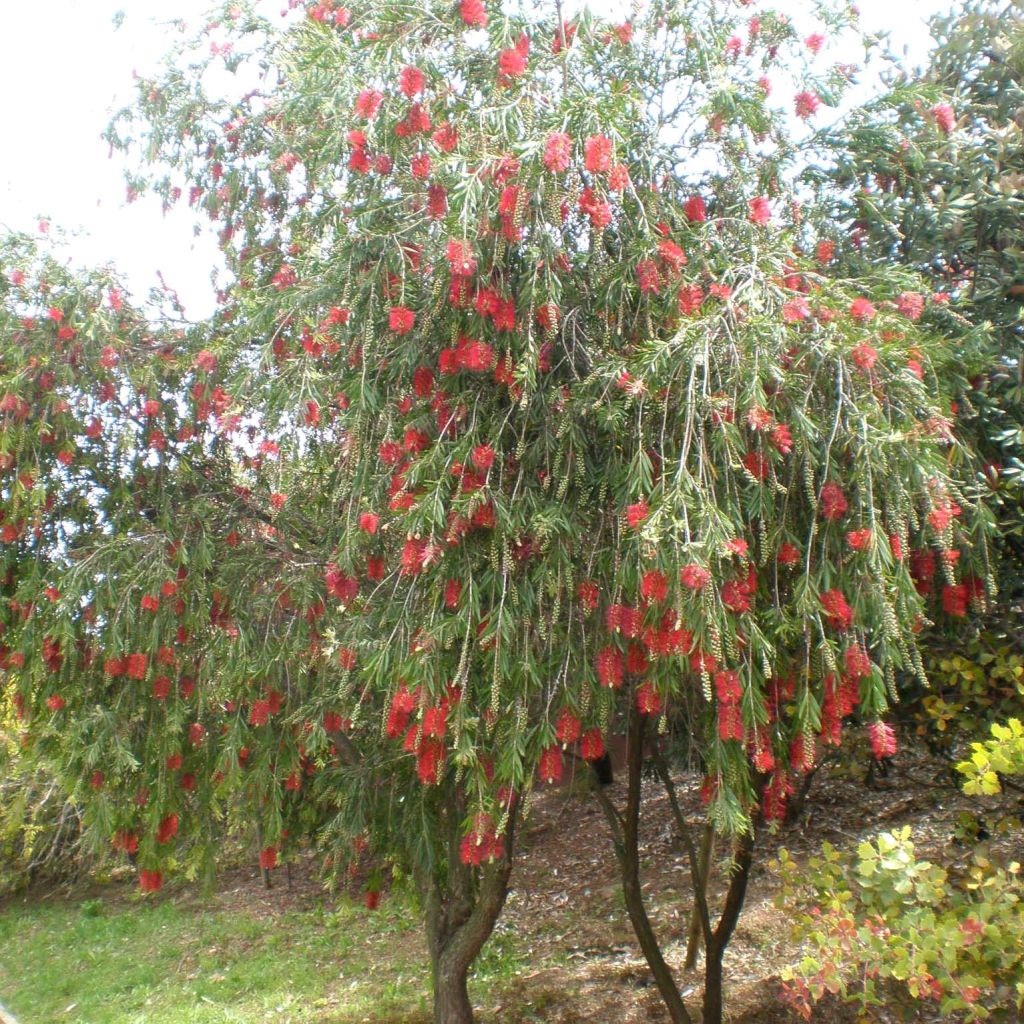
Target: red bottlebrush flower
{"x": 694, "y": 577}
{"x": 423, "y": 382}
{"x": 410, "y": 81}
{"x": 598, "y": 210}
{"x": 167, "y": 829}
{"x": 696, "y": 209}
{"x": 955, "y": 598}
{"x": 592, "y": 746}
{"x": 814, "y": 42}
{"x": 401, "y": 320}
{"x": 883, "y": 739}
{"x": 945, "y": 117}
{"x": 437, "y": 201}
{"x": 339, "y": 585}
{"x": 728, "y": 687}
{"x": 419, "y": 166}
{"x": 671, "y": 255}
{"x": 636, "y": 514}
{"x": 452, "y": 593}
{"x": 435, "y": 721}
{"x": 757, "y": 465}
{"x": 375, "y": 568}
{"x": 833, "y": 501}
{"x": 648, "y": 700}
{"x": 636, "y": 660}
{"x": 825, "y": 251}
{"x": 859, "y": 540}
{"x": 806, "y": 104}
{"x": 372, "y": 899}
{"x": 803, "y": 754}
{"x": 347, "y": 658}
{"x": 445, "y": 137}
{"x": 911, "y": 305}
{"x": 368, "y": 103}
{"x": 550, "y": 766}
{"x": 547, "y": 316}
{"x": 473, "y": 13}
{"x": 150, "y": 881}
{"x": 461, "y": 261}
{"x": 858, "y": 664}
{"x": 97, "y": 779}
{"x": 795, "y": 310}
{"x": 205, "y": 361}
{"x": 837, "y": 609}
{"x": 174, "y": 762}
{"x": 196, "y": 734}
{"x": 618, "y": 178}
{"x": 115, "y": 667}
{"x": 760, "y": 211}
{"x": 161, "y": 687}
{"x": 690, "y": 298}
{"x": 864, "y": 356}
{"x": 597, "y": 154}
{"x": 512, "y": 63}
{"x": 55, "y": 702}
{"x": 557, "y": 152}
{"x": 648, "y": 277}
{"x": 277, "y": 501}
{"x": 567, "y": 728}
{"x": 483, "y": 457}
{"x": 268, "y": 858}
{"x": 610, "y": 667}
{"x": 862, "y": 311}
{"x": 781, "y": 438}
{"x": 942, "y": 515}
{"x": 368, "y": 522}
{"x": 896, "y": 547}
{"x": 788, "y": 555}
{"x": 654, "y": 585}
{"x": 565, "y": 34}
{"x": 137, "y": 666}
{"x": 589, "y": 594}
{"x": 730, "y": 722}
{"x": 915, "y": 369}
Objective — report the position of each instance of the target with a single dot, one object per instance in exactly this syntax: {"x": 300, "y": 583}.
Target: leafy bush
{"x": 886, "y": 921}
{"x": 1003, "y": 754}
{"x": 41, "y": 834}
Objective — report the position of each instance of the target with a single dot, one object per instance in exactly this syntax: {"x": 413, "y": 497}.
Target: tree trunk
{"x": 461, "y": 912}
{"x": 451, "y": 995}
{"x": 715, "y": 947}
{"x": 626, "y": 839}
{"x": 696, "y": 933}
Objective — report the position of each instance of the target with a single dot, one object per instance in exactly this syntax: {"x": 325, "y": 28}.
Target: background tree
{"x": 524, "y": 421}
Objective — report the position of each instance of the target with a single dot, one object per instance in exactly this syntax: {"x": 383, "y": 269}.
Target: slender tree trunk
{"x": 626, "y": 838}
{"x": 715, "y": 947}
{"x": 461, "y": 912}
{"x": 696, "y": 933}
{"x": 264, "y": 872}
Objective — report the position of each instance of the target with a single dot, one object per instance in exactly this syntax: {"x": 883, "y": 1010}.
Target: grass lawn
{"x": 134, "y": 961}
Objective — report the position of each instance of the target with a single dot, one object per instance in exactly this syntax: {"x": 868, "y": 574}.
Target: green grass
{"x": 172, "y": 962}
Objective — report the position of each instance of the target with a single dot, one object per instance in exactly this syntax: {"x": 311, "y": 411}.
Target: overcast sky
{"x": 64, "y": 67}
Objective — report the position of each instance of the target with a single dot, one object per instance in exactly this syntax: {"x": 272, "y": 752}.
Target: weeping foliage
{"x": 532, "y": 398}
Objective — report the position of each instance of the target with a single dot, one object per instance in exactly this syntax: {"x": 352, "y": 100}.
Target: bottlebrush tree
{"x": 532, "y": 414}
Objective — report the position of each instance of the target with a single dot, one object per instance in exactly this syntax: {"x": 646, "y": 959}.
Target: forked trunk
{"x": 625, "y": 833}
{"x": 462, "y": 909}
{"x": 715, "y": 947}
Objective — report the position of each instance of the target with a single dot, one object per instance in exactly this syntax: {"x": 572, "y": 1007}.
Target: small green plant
{"x": 1003, "y": 754}
{"x": 885, "y": 920}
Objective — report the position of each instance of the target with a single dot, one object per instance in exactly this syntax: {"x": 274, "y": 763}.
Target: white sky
{"x": 64, "y": 68}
